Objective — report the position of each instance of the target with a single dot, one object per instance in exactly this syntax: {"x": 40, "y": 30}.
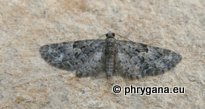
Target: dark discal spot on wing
{"x": 127, "y": 46}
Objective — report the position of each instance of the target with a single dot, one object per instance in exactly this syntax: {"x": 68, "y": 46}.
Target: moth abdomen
{"x": 110, "y": 66}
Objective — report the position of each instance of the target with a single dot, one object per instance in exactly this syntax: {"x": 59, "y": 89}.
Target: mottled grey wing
{"x": 136, "y": 60}
{"x": 85, "y": 56}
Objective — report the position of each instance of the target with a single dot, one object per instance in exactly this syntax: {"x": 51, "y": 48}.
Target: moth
{"x": 114, "y": 57}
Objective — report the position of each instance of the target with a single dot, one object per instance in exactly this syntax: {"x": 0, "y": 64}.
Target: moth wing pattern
{"x": 84, "y": 56}
{"x": 137, "y": 60}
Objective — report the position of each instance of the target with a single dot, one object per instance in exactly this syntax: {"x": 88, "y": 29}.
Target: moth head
{"x": 110, "y": 35}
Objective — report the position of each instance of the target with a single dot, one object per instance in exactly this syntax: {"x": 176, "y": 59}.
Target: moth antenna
{"x": 103, "y": 35}
{"x": 124, "y": 37}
